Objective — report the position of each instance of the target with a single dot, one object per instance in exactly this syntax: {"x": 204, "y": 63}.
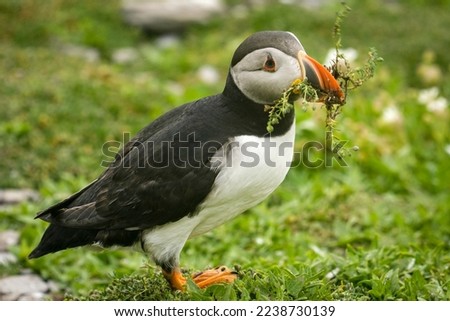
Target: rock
{"x": 7, "y": 258}
{"x": 124, "y": 55}
{"x": 23, "y": 287}
{"x": 13, "y": 196}
{"x": 310, "y": 4}
{"x": 35, "y": 296}
{"x": 8, "y": 239}
{"x": 86, "y": 53}
{"x": 169, "y": 15}
{"x": 167, "y": 41}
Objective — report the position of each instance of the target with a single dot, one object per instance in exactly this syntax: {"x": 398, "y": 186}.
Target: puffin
{"x": 195, "y": 167}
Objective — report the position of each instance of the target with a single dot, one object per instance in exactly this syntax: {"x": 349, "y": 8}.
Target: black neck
{"x": 254, "y": 113}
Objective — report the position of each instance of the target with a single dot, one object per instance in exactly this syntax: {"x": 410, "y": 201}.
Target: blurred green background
{"x": 381, "y": 224}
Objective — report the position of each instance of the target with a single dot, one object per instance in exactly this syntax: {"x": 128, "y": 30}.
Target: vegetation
{"x": 374, "y": 225}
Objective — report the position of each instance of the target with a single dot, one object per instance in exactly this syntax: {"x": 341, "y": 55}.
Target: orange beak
{"x": 319, "y": 76}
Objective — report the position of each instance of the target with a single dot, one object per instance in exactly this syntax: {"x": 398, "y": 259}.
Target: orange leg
{"x": 176, "y": 279}
{"x": 203, "y": 279}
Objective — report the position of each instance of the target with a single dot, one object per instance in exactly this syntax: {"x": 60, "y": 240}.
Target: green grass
{"x": 377, "y": 229}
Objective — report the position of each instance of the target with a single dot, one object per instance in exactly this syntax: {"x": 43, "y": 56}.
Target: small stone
{"x": 14, "y": 196}
{"x": 7, "y": 239}
{"x": 86, "y": 53}
{"x": 168, "y": 40}
{"x": 19, "y": 285}
{"x": 9, "y": 297}
{"x": 52, "y": 286}
{"x": 124, "y": 55}
{"x": 7, "y": 258}
{"x": 35, "y": 296}
{"x": 169, "y": 15}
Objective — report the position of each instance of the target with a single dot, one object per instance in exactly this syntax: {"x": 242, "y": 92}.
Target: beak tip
{"x": 322, "y": 78}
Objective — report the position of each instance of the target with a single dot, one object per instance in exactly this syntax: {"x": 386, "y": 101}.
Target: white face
{"x": 264, "y": 74}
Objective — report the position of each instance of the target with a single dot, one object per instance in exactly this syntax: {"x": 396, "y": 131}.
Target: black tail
{"x": 57, "y": 238}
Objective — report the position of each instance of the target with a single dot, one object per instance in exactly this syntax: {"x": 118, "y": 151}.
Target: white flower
{"x": 447, "y": 149}
{"x": 259, "y": 241}
{"x": 427, "y": 95}
{"x": 391, "y": 115}
{"x": 430, "y": 98}
{"x": 208, "y": 74}
{"x": 438, "y": 105}
{"x": 350, "y": 54}
{"x": 332, "y": 274}
{"x": 308, "y": 124}
{"x": 124, "y": 55}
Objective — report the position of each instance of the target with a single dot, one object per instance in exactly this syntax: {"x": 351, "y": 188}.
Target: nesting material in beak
{"x": 319, "y": 76}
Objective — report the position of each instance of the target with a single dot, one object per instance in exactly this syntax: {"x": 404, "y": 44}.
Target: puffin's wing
{"x": 152, "y": 181}
{"x": 139, "y": 203}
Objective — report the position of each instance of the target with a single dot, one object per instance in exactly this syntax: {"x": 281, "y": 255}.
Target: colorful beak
{"x": 320, "y": 77}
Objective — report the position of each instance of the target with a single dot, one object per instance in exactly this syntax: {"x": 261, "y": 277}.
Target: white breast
{"x": 250, "y": 168}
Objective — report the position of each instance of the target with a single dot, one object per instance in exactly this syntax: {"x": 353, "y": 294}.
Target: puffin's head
{"x": 267, "y": 62}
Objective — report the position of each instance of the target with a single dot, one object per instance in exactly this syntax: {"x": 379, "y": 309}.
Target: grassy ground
{"x": 376, "y": 229}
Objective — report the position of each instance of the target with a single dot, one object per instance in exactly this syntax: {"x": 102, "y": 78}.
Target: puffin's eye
{"x": 269, "y": 65}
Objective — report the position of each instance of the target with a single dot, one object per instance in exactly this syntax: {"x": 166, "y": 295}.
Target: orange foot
{"x": 221, "y": 274}
{"x": 203, "y": 279}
